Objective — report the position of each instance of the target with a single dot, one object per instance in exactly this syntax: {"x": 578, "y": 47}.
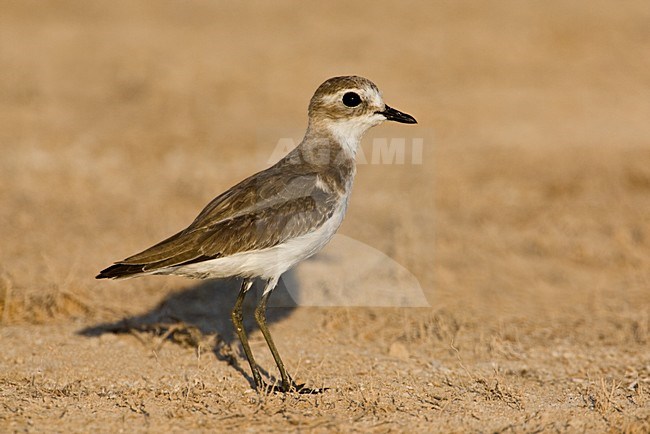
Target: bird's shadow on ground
{"x": 200, "y": 315}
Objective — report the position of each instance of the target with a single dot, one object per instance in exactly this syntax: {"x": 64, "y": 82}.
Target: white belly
{"x": 266, "y": 263}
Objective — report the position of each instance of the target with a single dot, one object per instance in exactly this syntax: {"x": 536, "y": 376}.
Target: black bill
{"x": 395, "y": 115}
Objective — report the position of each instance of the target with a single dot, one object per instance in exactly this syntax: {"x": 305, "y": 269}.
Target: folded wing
{"x": 260, "y": 212}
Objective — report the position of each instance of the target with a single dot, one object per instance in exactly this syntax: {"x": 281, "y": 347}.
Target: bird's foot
{"x": 304, "y": 390}
{"x": 291, "y": 387}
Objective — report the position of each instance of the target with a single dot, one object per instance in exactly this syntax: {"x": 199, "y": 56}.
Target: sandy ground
{"x": 527, "y": 225}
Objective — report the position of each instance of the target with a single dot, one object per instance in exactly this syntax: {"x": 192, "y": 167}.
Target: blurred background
{"x": 537, "y": 175}
{"x": 527, "y": 223}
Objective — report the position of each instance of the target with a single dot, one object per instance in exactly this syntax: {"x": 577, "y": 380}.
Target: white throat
{"x": 348, "y": 133}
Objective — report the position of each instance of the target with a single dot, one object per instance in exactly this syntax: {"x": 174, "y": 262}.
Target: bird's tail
{"x": 121, "y": 271}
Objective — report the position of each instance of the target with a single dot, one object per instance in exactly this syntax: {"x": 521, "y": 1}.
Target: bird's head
{"x": 347, "y": 107}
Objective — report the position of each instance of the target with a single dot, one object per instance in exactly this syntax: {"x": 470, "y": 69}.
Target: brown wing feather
{"x": 260, "y": 212}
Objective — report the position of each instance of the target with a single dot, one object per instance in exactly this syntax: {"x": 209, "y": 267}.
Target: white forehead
{"x": 367, "y": 93}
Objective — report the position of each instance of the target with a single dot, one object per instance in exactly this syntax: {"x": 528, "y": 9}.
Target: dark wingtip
{"x": 102, "y": 275}
{"x": 116, "y": 271}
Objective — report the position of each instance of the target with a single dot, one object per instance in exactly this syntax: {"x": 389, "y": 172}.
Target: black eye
{"x": 351, "y": 99}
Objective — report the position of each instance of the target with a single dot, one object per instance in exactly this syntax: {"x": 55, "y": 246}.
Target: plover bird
{"x": 278, "y": 217}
